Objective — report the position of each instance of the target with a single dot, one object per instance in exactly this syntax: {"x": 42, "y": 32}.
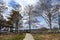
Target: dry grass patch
{"x": 46, "y": 36}
{"x": 12, "y": 37}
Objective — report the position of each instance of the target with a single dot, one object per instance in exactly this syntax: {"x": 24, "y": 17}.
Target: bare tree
{"x": 47, "y": 14}
{"x": 57, "y": 8}
{"x": 32, "y": 13}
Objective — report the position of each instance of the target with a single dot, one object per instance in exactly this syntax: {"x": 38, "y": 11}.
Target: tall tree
{"x": 49, "y": 11}
{"x": 57, "y": 8}
{"x": 28, "y": 11}
{"x": 32, "y": 14}
{"x": 14, "y": 19}
{"x": 47, "y": 8}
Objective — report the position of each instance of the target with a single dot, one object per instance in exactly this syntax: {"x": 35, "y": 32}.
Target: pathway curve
{"x": 28, "y": 37}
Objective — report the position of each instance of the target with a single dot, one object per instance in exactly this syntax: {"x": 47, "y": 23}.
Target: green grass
{"x": 46, "y": 36}
{"x": 12, "y": 37}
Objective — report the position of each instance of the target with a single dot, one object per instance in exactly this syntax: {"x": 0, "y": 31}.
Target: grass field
{"x": 46, "y": 36}
{"x": 12, "y": 37}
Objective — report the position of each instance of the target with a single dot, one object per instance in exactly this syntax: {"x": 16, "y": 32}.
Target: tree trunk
{"x": 29, "y": 25}
{"x": 59, "y": 20}
{"x": 11, "y": 29}
{"x": 0, "y": 28}
{"x": 49, "y": 15}
{"x": 17, "y": 25}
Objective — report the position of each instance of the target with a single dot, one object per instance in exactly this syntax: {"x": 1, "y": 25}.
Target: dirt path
{"x": 28, "y": 37}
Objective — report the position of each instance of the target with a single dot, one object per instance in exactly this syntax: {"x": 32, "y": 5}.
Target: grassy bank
{"x": 46, "y": 36}
{"x": 12, "y": 37}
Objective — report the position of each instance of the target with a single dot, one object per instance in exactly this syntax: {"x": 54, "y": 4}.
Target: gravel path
{"x": 28, "y": 37}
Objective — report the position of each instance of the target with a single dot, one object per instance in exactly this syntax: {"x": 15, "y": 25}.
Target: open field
{"x": 12, "y": 37}
{"x": 46, "y": 36}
